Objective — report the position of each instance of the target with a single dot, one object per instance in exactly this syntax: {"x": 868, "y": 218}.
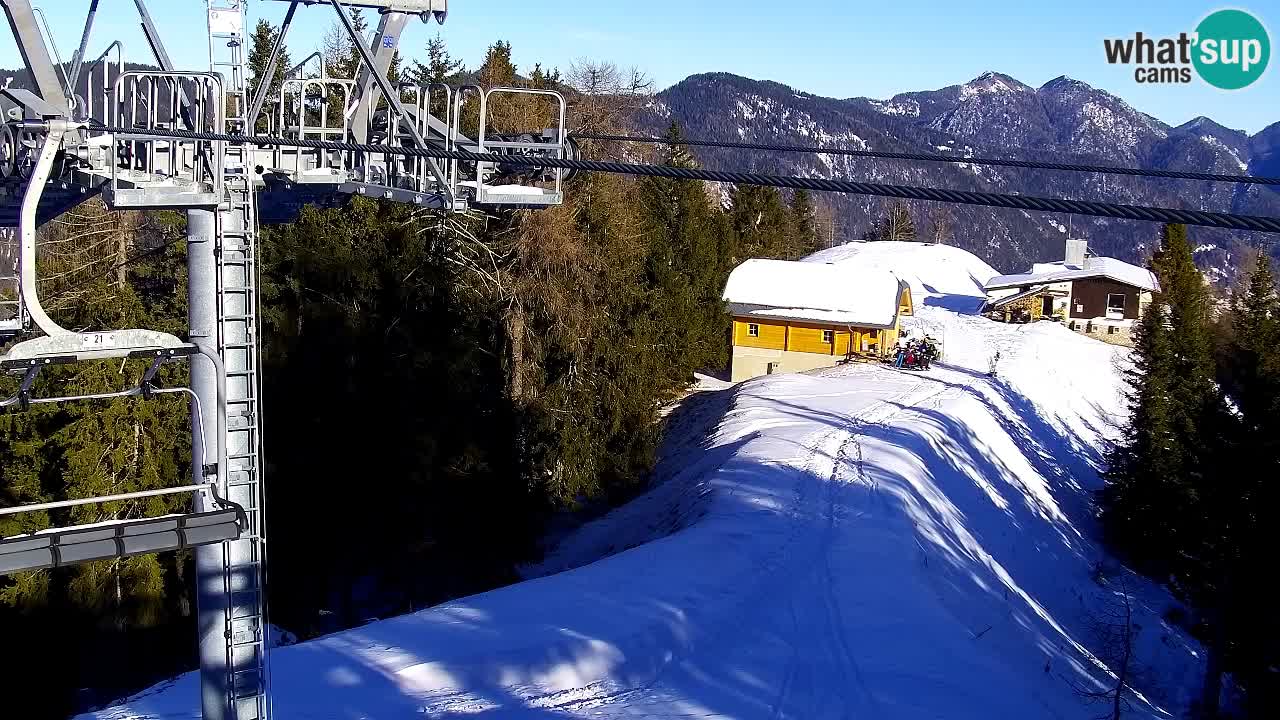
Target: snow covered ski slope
{"x": 856, "y": 543}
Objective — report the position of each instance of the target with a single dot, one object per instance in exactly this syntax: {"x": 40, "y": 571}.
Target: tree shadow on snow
{"x": 919, "y": 578}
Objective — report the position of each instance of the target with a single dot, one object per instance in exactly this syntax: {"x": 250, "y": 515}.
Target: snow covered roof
{"x": 1111, "y": 268}
{"x": 816, "y": 292}
{"x": 939, "y": 275}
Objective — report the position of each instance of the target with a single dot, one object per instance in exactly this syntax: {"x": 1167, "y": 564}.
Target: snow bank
{"x": 812, "y": 291}
{"x": 939, "y": 275}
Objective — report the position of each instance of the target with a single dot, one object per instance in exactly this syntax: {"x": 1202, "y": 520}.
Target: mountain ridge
{"x": 994, "y": 114}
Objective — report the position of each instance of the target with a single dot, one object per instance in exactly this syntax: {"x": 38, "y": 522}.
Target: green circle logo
{"x": 1232, "y": 49}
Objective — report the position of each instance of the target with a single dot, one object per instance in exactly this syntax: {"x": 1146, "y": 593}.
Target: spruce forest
{"x": 434, "y": 391}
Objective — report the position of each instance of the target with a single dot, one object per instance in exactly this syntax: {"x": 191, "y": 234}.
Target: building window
{"x": 1115, "y": 306}
{"x": 753, "y": 330}
{"x": 773, "y": 367}
{"x": 828, "y": 336}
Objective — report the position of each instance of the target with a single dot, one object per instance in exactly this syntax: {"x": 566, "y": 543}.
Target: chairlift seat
{"x": 518, "y": 196}
{"x": 57, "y": 547}
{"x": 74, "y": 347}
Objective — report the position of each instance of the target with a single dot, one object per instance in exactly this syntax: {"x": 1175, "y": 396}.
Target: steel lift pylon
{"x": 54, "y": 154}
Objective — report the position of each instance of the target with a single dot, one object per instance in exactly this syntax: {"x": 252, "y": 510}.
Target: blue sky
{"x": 840, "y": 48}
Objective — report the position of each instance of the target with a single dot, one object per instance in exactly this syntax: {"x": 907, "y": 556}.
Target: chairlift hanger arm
{"x": 393, "y": 98}
{"x": 57, "y": 56}
{"x": 264, "y": 81}
{"x": 162, "y": 57}
{"x": 34, "y": 52}
{"x": 78, "y": 59}
{"x": 386, "y": 40}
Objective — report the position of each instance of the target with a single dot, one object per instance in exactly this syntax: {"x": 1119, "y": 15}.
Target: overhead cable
{"x": 936, "y": 157}
{"x": 1227, "y": 221}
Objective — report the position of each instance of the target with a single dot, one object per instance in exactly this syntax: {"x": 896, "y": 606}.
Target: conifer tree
{"x": 687, "y": 264}
{"x": 1254, "y": 372}
{"x": 85, "y": 449}
{"x": 804, "y": 225}
{"x": 1162, "y": 467}
{"x": 1251, "y": 377}
{"x": 497, "y": 68}
{"x": 760, "y": 223}
{"x": 1173, "y": 503}
{"x": 263, "y": 38}
{"x": 440, "y": 65}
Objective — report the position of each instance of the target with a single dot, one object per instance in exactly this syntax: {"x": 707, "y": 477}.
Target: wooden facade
{"x": 774, "y": 303}
{"x": 1091, "y": 298}
{"x": 809, "y": 337}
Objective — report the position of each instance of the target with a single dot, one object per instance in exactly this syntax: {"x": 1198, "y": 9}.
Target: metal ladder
{"x": 13, "y": 320}
{"x": 247, "y": 630}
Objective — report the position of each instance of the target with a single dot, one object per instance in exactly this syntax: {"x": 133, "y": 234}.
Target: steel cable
{"x": 1228, "y": 221}
{"x": 934, "y": 157}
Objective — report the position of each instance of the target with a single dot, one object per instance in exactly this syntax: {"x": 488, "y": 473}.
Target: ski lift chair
{"x": 214, "y": 519}
{"x": 496, "y": 185}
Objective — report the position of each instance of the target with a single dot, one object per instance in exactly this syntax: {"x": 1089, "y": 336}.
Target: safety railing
{"x": 316, "y": 108}
{"x": 518, "y": 193}
{"x": 146, "y": 100}
{"x": 99, "y": 108}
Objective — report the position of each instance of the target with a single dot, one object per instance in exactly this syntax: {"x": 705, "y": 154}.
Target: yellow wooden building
{"x": 796, "y": 316}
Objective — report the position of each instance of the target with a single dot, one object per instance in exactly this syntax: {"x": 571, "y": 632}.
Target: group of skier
{"x": 917, "y": 354}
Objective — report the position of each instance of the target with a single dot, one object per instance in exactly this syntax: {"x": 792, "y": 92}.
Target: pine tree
{"x": 1163, "y": 467}
{"x": 1143, "y": 468}
{"x": 506, "y": 113}
{"x": 1254, "y": 372}
{"x": 1251, "y": 377}
{"x": 760, "y": 223}
{"x": 1172, "y": 505}
{"x": 440, "y": 65}
{"x": 86, "y": 449}
{"x": 804, "y": 225}
{"x": 497, "y": 68}
{"x": 263, "y": 38}
{"x": 686, "y": 267}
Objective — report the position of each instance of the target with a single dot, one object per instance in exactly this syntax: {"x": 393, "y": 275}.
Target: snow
{"x": 1222, "y": 147}
{"x": 855, "y": 542}
{"x": 939, "y": 275}
{"x": 506, "y": 189}
{"x": 813, "y": 291}
{"x": 906, "y": 108}
{"x": 1044, "y": 273}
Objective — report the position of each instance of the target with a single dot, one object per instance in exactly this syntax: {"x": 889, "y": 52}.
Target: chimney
{"x": 1075, "y": 253}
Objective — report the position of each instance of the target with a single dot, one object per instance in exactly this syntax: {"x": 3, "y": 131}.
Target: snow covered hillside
{"x": 857, "y": 542}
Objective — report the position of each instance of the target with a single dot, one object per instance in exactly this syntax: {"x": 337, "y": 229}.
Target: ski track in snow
{"x": 858, "y": 542}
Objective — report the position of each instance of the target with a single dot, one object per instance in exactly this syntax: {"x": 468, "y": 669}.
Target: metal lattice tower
{"x": 245, "y": 629}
